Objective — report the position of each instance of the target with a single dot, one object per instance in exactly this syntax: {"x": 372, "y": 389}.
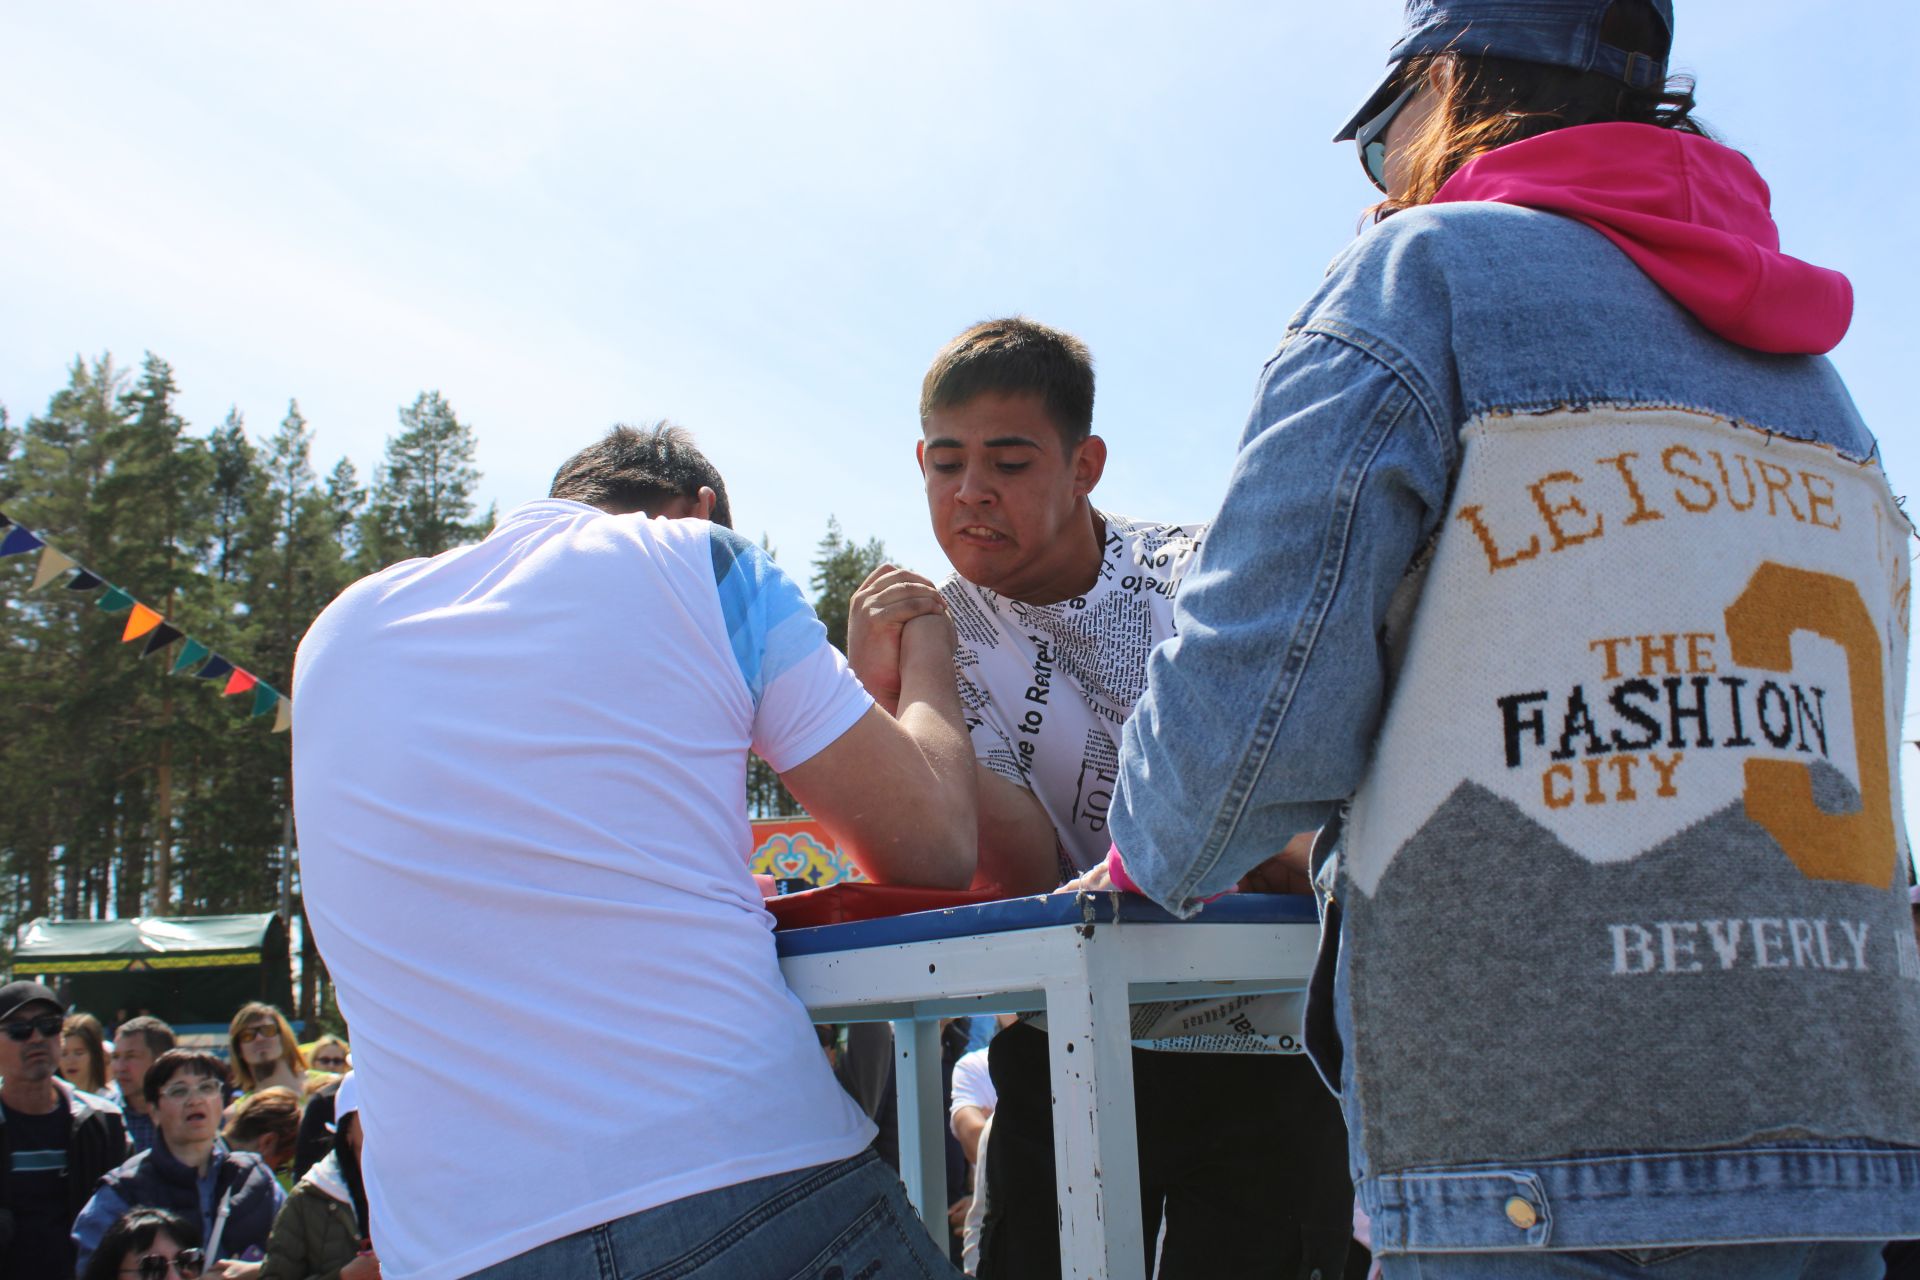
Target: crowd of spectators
{"x": 174, "y": 1162}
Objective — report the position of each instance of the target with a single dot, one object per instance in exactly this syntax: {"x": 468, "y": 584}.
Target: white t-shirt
{"x": 972, "y": 1084}
{"x": 520, "y": 779}
{"x": 1046, "y": 689}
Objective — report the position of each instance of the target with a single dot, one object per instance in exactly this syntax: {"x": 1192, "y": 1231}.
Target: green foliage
{"x": 128, "y": 791}
{"x": 839, "y": 567}
{"x": 422, "y": 501}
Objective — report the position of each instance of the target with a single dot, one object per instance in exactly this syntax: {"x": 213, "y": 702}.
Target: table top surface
{"x": 1038, "y": 912}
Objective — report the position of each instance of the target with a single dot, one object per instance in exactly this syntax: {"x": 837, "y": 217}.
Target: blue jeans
{"x": 1834, "y": 1260}
{"x": 844, "y": 1221}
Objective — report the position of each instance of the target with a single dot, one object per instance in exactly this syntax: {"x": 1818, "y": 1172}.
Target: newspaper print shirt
{"x": 1046, "y": 688}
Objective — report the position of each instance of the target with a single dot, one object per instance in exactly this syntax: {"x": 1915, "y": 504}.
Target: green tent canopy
{"x": 184, "y": 970}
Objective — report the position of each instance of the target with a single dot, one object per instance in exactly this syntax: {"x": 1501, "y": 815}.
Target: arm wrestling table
{"x": 1083, "y": 958}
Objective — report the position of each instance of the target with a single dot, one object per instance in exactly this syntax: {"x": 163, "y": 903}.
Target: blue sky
{"x": 762, "y": 220}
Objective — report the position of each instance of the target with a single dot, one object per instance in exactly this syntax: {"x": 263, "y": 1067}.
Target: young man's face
{"x": 1005, "y": 495}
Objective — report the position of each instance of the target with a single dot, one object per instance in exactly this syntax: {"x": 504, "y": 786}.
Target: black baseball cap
{"x": 16, "y": 996}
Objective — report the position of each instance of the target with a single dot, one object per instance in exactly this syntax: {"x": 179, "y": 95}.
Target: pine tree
{"x": 839, "y": 567}
{"x": 422, "y": 501}
{"x": 236, "y": 493}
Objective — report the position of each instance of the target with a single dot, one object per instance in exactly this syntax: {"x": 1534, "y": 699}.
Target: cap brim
{"x": 1376, "y": 103}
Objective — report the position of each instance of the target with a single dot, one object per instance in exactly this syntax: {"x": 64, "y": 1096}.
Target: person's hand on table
{"x": 890, "y": 598}
{"x": 1285, "y": 872}
{"x": 1098, "y": 880}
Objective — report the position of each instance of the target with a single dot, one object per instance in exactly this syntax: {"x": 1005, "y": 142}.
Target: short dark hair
{"x": 634, "y": 469}
{"x": 1015, "y": 356}
{"x": 157, "y": 1034}
{"x": 132, "y": 1234}
{"x": 171, "y": 1063}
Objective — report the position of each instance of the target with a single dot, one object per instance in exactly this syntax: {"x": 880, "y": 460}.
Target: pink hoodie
{"x": 1691, "y": 213}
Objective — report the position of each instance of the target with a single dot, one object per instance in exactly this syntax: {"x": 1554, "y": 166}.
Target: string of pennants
{"x": 144, "y": 623}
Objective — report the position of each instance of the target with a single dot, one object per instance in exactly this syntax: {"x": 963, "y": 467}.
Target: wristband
{"x": 1117, "y": 871}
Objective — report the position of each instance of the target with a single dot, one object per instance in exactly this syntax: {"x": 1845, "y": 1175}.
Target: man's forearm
{"x": 930, "y": 713}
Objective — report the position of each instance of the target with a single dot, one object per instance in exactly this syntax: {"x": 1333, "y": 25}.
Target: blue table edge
{"x": 1039, "y": 911}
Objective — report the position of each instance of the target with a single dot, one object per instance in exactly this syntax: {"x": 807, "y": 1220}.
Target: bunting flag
{"x": 52, "y": 564}
{"x": 139, "y": 622}
{"x": 18, "y": 541}
{"x": 163, "y": 635}
{"x": 191, "y": 656}
{"x": 145, "y": 622}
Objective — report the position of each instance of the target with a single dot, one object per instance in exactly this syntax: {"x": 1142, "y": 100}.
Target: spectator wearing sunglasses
{"x": 266, "y": 1054}
{"x": 329, "y": 1055}
{"x": 189, "y": 1170}
{"x": 147, "y": 1244}
{"x": 1506, "y": 440}
{"x": 55, "y": 1141}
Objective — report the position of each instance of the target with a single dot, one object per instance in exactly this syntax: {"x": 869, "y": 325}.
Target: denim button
{"x": 1521, "y": 1214}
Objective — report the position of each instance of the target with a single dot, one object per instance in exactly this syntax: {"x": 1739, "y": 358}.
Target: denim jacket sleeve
{"x": 1259, "y": 716}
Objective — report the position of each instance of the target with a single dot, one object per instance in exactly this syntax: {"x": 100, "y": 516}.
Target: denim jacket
{"x": 1585, "y": 630}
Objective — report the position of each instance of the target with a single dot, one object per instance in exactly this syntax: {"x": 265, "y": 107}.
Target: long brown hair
{"x": 87, "y": 1029}
{"x": 1486, "y": 102}
{"x": 289, "y": 1044}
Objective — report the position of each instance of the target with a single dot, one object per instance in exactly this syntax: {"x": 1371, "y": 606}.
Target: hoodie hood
{"x": 327, "y": 1178}
{"x": 1691, "y": 213}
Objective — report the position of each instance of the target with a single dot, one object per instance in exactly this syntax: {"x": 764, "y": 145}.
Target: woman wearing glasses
{"x": 147, "y": 1244}
{"x": 189, "y": 1171}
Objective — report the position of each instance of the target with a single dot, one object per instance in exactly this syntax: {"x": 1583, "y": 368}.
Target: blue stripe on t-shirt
{"x": 770, "y": 625}
{"x": 39, "y": 1162}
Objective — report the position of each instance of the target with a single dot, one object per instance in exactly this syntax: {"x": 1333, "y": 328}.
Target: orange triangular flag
{"x": 238, "y": 682}
{"x": 139, "y": 622}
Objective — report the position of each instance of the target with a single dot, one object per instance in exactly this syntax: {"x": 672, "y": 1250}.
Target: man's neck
{"x": 136, "y": 1102}
{"x": 1076, "y": 569}
{"x": 30, "y": 1097}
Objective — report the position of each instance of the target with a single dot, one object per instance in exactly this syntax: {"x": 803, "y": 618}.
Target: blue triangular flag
{"x": 216, "y": 667}
{"x": 19, "y": 541}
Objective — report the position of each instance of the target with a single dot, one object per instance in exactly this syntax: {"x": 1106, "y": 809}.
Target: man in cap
{"x": 54, "y": 1140}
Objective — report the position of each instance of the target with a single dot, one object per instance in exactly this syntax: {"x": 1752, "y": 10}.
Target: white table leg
{"x": 1095, "y": 1150}
{"x": 922, "y": 1121}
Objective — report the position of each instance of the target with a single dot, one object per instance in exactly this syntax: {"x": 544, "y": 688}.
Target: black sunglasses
{"x": 1371, "y": 140}
{"x": 47, "y": 1024}
{"x": 187, "y": 1262}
